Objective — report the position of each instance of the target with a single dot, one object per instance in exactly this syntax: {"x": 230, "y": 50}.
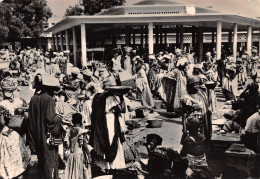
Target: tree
{"x": 23, "y": 18}
{"x": 4, "y": 30}
{"x": 74, "y": 10}
{"x": 92, "y": 7}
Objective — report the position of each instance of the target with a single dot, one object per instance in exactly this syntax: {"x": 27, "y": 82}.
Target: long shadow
{"x": 173, "y": 121}
{"x": 221, "y": 100}
{"x": 169, "y": 114}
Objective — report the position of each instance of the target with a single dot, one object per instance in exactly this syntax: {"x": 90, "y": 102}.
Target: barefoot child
{"x": 194, "y": 146}
{"x": 77, "y": 166}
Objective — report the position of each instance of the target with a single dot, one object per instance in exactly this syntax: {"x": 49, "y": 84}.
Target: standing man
{"x": 178, "y": 55}
{"x": 208, "y": 57}
{"x": 116, "y": 61}
{"x": 43, "y": 121}
{"x": 126, "y": 61}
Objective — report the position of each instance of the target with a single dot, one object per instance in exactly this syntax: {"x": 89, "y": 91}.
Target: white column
{"x": 259, "y": 42}
{"x": 74, "y": 46}
{"x": 83, "y": 45}
{"x": 219, "y": 35}
{"x": 150, "y": 38}
{"x": 56, "y": 42}
{"x": 61, "y": 41}
{"x": 235, "y": 40}
{"x": 48, "y": 46}
{"x": 249, "y": 40}
{"x": 67, "y": 39}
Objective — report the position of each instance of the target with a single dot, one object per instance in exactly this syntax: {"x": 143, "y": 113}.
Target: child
{"x": 194, "y": 146}
{"x": 77, "y": 166}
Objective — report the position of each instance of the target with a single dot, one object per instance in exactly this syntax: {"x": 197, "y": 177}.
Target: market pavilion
{"x": 151, "y": 21}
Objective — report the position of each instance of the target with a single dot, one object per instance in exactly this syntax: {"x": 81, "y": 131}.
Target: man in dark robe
{"x": 43, "y": 120}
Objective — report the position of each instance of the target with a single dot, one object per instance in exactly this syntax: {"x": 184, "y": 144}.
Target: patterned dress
{"x": 14, "y": 154}
{"x": 77, "y": 166}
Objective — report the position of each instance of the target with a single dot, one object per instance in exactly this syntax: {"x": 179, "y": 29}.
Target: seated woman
{"x": 194, "y": 145}
{"x": 252, "y": 132}
{"x": 251, "y": 101}
{"x": 163, "y": 162}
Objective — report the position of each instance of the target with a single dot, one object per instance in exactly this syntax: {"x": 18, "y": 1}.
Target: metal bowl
{"x": 210, "y": 85}
{"x": 155, "y": 123}
{"x": 119, "y": 89}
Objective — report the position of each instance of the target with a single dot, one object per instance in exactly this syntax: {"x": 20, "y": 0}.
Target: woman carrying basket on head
{"x": 14, "y": 154}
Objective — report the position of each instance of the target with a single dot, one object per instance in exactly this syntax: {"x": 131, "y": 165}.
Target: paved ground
{"x": 171, "y": 134}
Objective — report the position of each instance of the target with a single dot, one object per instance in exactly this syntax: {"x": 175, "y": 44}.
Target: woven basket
{"x": 8, "y": 88}
{"x": 15, "y": 121}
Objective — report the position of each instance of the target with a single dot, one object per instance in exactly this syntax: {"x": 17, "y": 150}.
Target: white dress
{"x": 119, "y": 162}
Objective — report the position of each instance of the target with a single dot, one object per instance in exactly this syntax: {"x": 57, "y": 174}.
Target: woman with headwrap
{"x": 14, "y": 154}
{"x": 211, "y": 76}
{"x": 142, "y": 85}
{"x": 195, "y": 103}
{"x": 254, "y": 61}
{"x": 229, "y": 81}
{"x": 174, "y": 85}
{"x": 153, "y": 70}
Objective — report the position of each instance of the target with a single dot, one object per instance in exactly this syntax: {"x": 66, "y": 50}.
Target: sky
{"x": 249, "y": 8}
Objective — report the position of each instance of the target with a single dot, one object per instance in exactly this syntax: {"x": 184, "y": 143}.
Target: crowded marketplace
{"x": 134, "y": 91}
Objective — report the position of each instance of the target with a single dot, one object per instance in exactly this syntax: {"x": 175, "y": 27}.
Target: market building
{"x": 155, "y": 25}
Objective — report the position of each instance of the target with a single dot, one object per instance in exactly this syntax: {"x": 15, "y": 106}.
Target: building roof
{"x": 160, "y": 12}
{"x": 155, "y": 2}
{"x": 154, "y": 7}
{"x": 246, "y": 8}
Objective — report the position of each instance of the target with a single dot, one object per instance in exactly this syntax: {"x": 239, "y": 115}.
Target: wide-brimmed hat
{"x": 75, "y": 70}
{"x": 193, "y": 79}
{"x": 50, "y": 81}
